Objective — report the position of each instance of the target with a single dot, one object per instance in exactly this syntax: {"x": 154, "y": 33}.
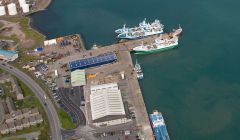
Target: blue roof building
{"x": 8, "y": 55}
{"x": 93, "y": 61}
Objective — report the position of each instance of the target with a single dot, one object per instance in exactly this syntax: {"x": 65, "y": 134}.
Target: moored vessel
{"x": 158, "y": 126}
{"x": 138, "y": 70}
{"x": 160, "y": 44}
{"x": 144, "y": 29}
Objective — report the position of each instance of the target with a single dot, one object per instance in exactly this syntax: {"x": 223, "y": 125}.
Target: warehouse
{"x": 8, "y": 55}
{"x": 107, "y": 107}
{"x": 78, "y": 78}
{"x": 93, "y": 61}
{"x": 104, "y": 86}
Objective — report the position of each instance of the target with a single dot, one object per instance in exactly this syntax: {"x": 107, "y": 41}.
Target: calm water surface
{"x": 196, "y": 86}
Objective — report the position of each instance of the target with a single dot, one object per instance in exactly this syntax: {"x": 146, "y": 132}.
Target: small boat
{"x": 138, "y": 70}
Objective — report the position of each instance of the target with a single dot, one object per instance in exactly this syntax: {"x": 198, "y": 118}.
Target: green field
{"x": 65, "y": 120}
{"x": 29, "y": 32}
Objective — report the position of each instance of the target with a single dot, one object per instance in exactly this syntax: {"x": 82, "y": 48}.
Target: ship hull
{"x": 138, "y": 37}
{"x": 155, "y": 51}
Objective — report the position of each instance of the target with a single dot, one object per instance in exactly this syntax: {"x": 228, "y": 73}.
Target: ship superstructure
{"x": 144, "y": 29}
{"x": 159, "y": 126}
{"x": 160, "y": 44}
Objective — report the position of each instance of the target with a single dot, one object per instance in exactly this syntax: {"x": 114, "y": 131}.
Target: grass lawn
{"x": 29, "y": 32}
{"x": 1, "y": 71}
{"x": 65, "y": 120}
{"x": 7, "y": 87}
{"x": 1, "y": 25}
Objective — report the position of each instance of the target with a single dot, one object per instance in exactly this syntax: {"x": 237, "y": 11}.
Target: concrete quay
{"x": 108, "y": 73}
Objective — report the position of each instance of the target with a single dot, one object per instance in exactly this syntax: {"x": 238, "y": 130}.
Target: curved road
{"x": 49, "y": 108}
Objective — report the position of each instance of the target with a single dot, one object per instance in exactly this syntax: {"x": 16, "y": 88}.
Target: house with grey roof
{"x": 4, "y": 129}
{"x": 39, "y": 118}
{"x": 4, "y": 104}
{"x": 17, "y": 115}
{"x": 25, "y": 123}
{"x": 8, "y": 118}
{"x": 17, "y": 89}
{"x": 11, "y": 127}
{"x": 34, "y": 112}
{"x": 10, "y": 105}
{"x": 26, "y": 112}
{"x": 2, "y": 112}
{"x": 18, "y": 124}
{"x": 32, "y": 120}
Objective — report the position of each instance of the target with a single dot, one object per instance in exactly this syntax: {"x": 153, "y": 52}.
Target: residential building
{"x": 26, "y": 112}
{"x": 2, "y": 112}
{"x": 32, "y": 120}
{"x": 39, "y": 118}
{"x": 25, "y": 123}
{"x": 4, "y": 104}
{"x": 11, "y": 127}
{"x": 17, "y": 115}
{"x": 4, "y": 129}
{"x": 10, "y": 105}
{"x": 18, "y": 124}
{"x": 34, "y": 112}
{"x": 8, "y": 118}
{"x": 17, "y": 89}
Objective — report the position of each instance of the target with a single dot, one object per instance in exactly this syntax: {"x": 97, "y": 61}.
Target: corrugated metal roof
{"x": 106, "y": 102}
{"x": 93, "y": 61}
{"x": 78, "y": 78}
{"x": 7, "y": 53}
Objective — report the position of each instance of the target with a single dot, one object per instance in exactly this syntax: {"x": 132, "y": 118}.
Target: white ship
{"x": 160, "y": 44}
{"x": 144, "y": 29}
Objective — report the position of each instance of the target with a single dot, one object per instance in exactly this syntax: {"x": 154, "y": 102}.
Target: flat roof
{"x": 78, "y": 78}
{"x": 89, "y": 62}
{"x": 106, "y": 102}
{"x": 7, "y": 53}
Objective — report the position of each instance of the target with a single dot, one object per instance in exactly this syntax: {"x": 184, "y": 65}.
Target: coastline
{"x": 44, "y": 6}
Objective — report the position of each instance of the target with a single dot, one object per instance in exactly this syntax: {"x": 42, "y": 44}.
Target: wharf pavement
{"x": 124, "y": 58}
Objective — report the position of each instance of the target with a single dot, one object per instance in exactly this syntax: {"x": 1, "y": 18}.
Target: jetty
{"x": 122, "y": 72}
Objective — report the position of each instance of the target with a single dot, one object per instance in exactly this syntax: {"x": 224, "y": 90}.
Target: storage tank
{"x": 12, "y": 10}
{"x": 25, "y": 8}
{"x": 22, "y": 2}
{"x": 2, "y": 11}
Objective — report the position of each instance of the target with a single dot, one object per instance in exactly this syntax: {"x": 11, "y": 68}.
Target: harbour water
{"x": 197, "y": 86}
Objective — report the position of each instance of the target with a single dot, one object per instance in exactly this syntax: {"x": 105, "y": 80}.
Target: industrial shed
{"x": 107, "y": 105}
{"x": 78, "y": 78}
{"x": 8, "y": 55}
{"x": 93, "y": 61}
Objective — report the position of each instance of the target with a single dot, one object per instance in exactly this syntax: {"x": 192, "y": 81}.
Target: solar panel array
{"x": 93, "y": 61}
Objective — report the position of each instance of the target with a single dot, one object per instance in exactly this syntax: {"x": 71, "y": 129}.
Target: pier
{"x": 129, "y": 86}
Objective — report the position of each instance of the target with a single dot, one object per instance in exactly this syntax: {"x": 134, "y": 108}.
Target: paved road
{"x": 71, "y": 106}
{"x": 49, "y": 108}
{"x": 32, "y": 135}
